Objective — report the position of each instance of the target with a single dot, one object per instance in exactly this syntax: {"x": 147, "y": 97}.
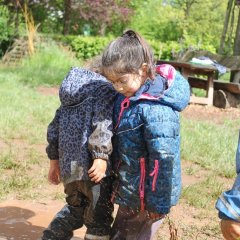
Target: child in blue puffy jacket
{"x": 228, "y": 205}
{"x": 79, "y": 147}
{"x": 146, "y": 143}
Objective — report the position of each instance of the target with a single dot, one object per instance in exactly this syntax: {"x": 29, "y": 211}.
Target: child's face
{"x": 127, "y": 84}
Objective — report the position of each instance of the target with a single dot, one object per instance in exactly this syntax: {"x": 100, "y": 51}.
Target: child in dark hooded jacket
{"x": 79, "y": 147}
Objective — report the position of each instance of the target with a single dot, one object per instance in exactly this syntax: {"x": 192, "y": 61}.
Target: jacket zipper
{"x": 154, "y": 174}
{"x": 142, "y": 183}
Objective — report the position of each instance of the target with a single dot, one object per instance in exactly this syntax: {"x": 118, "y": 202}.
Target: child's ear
{"x": 144, "y": 68}
{"x": 143, "y": 71}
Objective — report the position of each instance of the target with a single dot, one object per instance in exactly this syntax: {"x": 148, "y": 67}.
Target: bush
{"x": 6, "y": 30}
{"x": 88, "y": 47}
{"x": 85, "y": 47}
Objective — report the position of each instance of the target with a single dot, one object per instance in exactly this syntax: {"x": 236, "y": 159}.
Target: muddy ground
{"x": 26, "y": 219}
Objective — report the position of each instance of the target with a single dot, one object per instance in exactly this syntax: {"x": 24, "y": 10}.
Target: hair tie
{"x": 130, "y": 34}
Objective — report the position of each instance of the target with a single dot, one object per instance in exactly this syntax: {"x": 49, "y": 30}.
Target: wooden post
{"x": 210, "y": 89}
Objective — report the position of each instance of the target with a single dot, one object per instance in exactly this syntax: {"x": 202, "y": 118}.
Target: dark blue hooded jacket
{"x": 81, "y": 130}
{"x": 147, "y": 143}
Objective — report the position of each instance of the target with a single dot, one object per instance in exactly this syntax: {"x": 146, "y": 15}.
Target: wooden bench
{"x": 232, "y": 63}
{"x": 226, "y": 86}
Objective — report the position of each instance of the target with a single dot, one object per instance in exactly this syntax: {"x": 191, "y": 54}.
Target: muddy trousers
{"x": 87, "y": 204}
{"x": 130, "y": 225}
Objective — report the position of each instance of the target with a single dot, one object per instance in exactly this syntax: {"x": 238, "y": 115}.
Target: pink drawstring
{"x": 125, "y": 104}
{"x": 155, "y": 174}
{"x": 142, "y": 182}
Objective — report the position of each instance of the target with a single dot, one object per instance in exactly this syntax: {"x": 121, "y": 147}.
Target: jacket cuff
{"x": 52, "y": 152}
{"x": 101, "y": 155}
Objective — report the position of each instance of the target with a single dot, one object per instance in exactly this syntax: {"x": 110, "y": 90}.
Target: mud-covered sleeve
{"x": 228, "y": 203}
{"x": 100, "y": 141}
{"x": 52, "y": 137}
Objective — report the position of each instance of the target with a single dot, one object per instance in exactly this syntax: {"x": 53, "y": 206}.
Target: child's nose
{"x": 118, "y": 87}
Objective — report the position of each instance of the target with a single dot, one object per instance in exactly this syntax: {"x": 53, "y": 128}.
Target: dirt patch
{"x": 25, "y": 220}
{"x": 48, "y": 91}
{"x": 211, "y": 114}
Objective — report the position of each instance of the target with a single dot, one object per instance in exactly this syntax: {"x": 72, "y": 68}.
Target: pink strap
{"x": 155, "y": 174}
{"x": 142, "y": 182}
{"x": 125, "y": 104}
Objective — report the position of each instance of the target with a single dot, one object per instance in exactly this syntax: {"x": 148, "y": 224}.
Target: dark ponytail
{"x": 126, "y": 54}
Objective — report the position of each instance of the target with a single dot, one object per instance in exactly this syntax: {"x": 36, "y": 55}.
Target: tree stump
{"x": 224, "y": 99}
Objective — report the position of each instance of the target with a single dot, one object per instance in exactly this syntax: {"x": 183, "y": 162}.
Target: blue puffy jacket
{"x": 147, "y": 143}
{"x": 228, "y": 204}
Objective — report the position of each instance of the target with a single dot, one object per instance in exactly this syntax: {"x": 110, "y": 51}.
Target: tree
{"x": 236, "y": 48}
{"x": 229, "y": 11}
{"x": 103, "y": 14}
{"x": 186, "y": 5}
{"x": 67, "y": 16}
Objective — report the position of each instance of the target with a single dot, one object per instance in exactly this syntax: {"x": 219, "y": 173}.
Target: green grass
{"x": 212, "y": 146}
{"x": 204, "y": 193}
{"x": 47, "y": 67}
{"x": 24, "y": 112}
{"x": 199, "y": 92}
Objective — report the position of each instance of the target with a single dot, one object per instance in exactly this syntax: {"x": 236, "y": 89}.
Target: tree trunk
{"x": 225, "y": 28}
{"x": 67, "y": 16}
{"x": 236, "y": 48}
{"x": 102, "y": 29}
{"x": 230, "y": 35}
{"x": 16, "y": 20}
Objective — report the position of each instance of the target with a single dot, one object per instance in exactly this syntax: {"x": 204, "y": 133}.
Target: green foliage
{"x": 6, "y": 29}
{"x": 48, "y": 66}
{"x": 170, "y": 26}
{"x": 205, "y": 22}
{"x": 156, "y": 21}
{"x": 198, "y": 27}
{"x": 88, "y": 47}
{"x": 164, "y": 50}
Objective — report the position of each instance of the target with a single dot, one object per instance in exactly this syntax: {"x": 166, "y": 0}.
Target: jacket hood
{"x": 169, "y": 88}
{"x": 77, "y": 85}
